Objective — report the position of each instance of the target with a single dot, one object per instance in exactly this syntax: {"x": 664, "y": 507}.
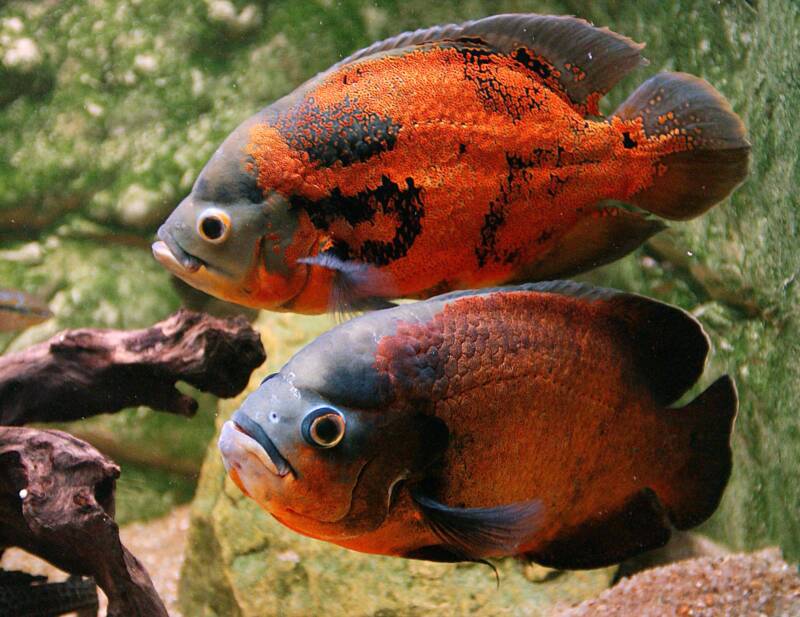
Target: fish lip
{"x": 248, "y": 427}
{"x": 167, "y": 247}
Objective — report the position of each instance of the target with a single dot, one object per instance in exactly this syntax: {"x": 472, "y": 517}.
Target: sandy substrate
{"x": 158, "y": 544}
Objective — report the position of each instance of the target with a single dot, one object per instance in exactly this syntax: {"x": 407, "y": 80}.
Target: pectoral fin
{"x": 357, "y": 286}
{"x": 475, "y": 533}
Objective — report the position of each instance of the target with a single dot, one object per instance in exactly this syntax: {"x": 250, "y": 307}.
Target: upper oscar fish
{"x": 460, "y": 156}
{"x": 532, "y": 420}
{"x": 20, "y": 310}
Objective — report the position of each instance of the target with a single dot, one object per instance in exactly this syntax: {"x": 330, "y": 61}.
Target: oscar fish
{"x": 20, "y": 310}
{"x": 455, "y": 157}
{"x": 536, "y": 420}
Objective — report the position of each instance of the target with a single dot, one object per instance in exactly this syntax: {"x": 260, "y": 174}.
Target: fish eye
{"x": 323, "y": 427}
{"x": 214, "y": 225}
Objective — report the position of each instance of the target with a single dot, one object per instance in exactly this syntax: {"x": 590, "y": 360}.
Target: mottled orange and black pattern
{"x": 471, "y": 155}
{"x": 451, "y": 167}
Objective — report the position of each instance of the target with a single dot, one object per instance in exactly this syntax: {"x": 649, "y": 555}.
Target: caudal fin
{"x": 697, "y": 481}
{"x": 706, "y": 150}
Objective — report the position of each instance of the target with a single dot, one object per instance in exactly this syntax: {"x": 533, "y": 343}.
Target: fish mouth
{"x": 268, "y": 453}
{"x": 167, "y": 251}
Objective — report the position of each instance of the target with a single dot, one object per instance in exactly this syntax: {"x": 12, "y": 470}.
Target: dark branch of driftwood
{"x": 28, "y": 595}
{"x": 56, "y": 491}
{"x": 57, "y": 502}
{"x": 80, "y": 373}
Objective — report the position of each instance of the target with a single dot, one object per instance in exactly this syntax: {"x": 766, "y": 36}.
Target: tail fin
{"x": 698, "y": 481}
{"x": 708, "y": 151}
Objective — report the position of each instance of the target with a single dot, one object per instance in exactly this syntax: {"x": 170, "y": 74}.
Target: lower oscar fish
{"x": 20, "y": 310}
{"x": 531, "y": 420}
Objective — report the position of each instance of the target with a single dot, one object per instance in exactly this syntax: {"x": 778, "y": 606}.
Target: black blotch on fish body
{"x": 495, "y": 218}
{"x": 532, "y": 63}
{"x": 627, "y": 141}
{"x": 405, "y": 204}
{"x": 343, "y": 133}
{"x": 354, "y": 209}
{"x": 495, "y": 95}
{"x": 556, "y": 185}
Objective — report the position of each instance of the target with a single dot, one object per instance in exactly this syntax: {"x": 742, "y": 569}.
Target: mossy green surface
{"x": 145, "y": 493}
{"x": 110, "y": 109}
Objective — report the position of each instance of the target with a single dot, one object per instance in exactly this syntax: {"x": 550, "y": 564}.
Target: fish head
{"x": 293, "y": 451}
{"x": 324, "y": 443}
{"x": 231, "y": 238}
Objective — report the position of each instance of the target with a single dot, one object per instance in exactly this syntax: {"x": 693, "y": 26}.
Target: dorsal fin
{"x": 585, "y": 61}
{"x": 669, "y": 345}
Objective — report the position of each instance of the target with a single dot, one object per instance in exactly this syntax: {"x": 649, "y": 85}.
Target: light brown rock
{"x": 757, "y": 584}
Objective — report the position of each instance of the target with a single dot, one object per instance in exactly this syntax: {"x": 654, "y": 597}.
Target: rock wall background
{"x": 108, "y": 109}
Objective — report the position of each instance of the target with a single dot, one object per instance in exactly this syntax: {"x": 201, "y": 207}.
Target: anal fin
{"x": 639, "y": 525}
{"x": 603, "y": 235}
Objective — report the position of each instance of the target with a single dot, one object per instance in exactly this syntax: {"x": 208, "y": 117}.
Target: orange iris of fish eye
{"x": 214, "y": 225}
{"x": 327, "y": 430}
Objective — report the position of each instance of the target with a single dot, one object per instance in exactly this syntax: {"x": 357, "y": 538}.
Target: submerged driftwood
{"x": 81, "y": 373}
{"x": 25, "y": 595}
{"x": 56, "y": 491}
{"x": 57, "y": 502}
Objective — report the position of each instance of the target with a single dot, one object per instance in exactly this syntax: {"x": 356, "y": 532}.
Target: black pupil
{"x": 326, "y": 429}
{"x": 212, "y": 227}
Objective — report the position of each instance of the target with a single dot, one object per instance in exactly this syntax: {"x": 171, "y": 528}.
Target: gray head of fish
{"x": 213, "y": 238}
{"x": 327, "y": 439}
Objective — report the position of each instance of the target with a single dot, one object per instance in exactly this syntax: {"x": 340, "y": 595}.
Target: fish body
{"x": 528, "y": 420}
{"x": 461, "y": 156}
{"x": 20, "y": 310}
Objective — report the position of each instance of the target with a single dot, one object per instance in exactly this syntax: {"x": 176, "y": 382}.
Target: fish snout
{"x": 254, "y": 439}
{"x": 170, "y": 253}
{"x": 249, "y": 466}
